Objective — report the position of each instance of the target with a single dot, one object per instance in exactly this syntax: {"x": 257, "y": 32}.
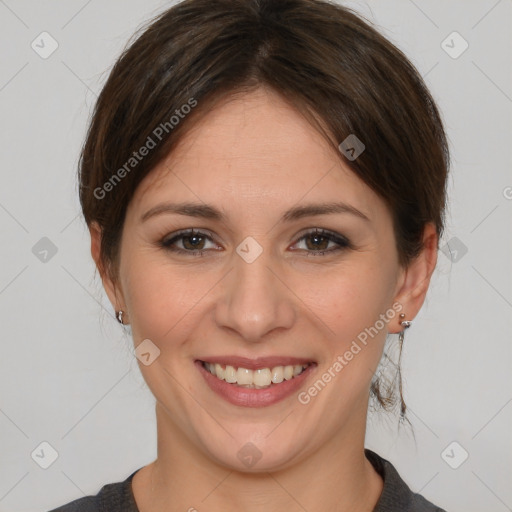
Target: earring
{"x": 406, "y": 324}
{"x": 119, "y": 316}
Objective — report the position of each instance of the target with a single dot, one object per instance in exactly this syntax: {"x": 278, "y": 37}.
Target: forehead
{"x": 252, "y": 147}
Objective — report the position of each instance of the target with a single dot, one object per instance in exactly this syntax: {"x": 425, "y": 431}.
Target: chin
{"x": 248, "y": 452}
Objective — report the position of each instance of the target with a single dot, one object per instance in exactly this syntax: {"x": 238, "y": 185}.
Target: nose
{"x": 255, "y": 300}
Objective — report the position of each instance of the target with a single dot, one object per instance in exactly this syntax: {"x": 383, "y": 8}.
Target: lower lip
{"x": 252, "y": 397}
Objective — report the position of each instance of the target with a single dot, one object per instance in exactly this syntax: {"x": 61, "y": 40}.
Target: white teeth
{"x": 261, "y": 378}
{"x": 230, "y": 375}
{"x": 288, "y": 372}
{"x": 218, "y": 371}
{"x": 244, "y": 376}
{"x": 277, "y": 374}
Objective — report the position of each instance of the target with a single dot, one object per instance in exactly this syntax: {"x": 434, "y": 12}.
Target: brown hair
{"x": 324, "y": 59}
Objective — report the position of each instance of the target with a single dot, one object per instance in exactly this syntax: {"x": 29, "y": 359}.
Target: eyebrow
{"x": 206, "y": 211}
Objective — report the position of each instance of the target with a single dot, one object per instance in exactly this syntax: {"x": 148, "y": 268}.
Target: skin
{"x": 253, "y": 157}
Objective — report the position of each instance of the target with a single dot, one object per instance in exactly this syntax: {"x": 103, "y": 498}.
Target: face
{"x": 261, "y": 285}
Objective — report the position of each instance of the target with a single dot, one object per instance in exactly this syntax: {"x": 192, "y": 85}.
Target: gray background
{"x": 67, "y": 373}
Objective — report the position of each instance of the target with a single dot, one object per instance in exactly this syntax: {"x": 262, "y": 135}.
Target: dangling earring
{"x": 401, "y": 336}
{"x": 405, "y": 324}
{"x": 119, "y": 316}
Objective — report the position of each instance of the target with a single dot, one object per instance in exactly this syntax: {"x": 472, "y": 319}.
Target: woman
{"x": 264, "y": 184}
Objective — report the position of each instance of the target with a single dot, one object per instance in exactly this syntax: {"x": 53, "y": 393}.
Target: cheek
{"x": 163, "y": 299}
{"x": 346, "y": 296}
{"x": 351, "y": 302}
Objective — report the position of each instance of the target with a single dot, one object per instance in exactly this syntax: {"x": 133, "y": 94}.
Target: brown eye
{"x": 317, "y": 242}
{"x": 192, "y": 242}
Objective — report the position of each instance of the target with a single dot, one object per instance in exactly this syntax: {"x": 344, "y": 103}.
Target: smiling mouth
{"x": 257, "y": 379}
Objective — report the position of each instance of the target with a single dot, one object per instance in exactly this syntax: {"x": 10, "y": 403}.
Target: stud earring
{"x": 119, "y": 316}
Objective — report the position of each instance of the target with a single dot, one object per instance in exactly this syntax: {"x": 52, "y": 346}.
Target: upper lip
{"x": 257, "y": 363}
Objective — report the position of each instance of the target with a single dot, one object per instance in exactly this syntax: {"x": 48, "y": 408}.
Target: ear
{"x": 416, "y": 277}
{"x": 115, "y": 297}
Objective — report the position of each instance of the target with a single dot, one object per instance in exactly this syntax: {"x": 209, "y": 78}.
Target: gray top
{"x": 395, "y": 497}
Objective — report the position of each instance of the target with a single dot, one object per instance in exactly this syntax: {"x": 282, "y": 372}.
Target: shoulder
{"x": 396, "y": 495}
{"x": 112, "y": 497}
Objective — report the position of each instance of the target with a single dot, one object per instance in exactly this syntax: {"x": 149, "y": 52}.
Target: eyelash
{"x": 343, "y": 243}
